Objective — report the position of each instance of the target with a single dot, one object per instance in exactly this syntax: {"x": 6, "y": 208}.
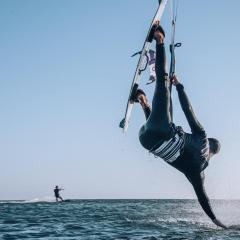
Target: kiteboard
{"x": 141, "y": 66}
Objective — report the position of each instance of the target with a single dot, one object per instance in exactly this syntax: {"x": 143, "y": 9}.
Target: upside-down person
{"x": 189, "y": 153}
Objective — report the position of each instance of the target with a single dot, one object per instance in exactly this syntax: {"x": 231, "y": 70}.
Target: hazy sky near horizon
{"x": 65, "y": 72}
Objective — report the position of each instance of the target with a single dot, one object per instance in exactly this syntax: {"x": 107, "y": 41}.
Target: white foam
{"x": 34, "y": 200}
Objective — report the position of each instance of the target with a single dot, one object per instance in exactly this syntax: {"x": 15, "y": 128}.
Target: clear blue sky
{"x": 65, "y": 72}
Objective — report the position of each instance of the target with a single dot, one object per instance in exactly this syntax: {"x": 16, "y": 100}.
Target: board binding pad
{"x": 140, "y": 66}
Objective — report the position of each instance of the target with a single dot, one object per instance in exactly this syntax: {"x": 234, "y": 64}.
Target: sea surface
{"x": 117, "y": 219}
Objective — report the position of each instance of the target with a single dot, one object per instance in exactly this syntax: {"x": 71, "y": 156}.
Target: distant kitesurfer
{"x": 189, "y": 153}
{"x": 56, "y": 193}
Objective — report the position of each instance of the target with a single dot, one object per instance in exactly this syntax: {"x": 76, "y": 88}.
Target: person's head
{"x": 56, "y": 187}
{"x": 214, "y": 146}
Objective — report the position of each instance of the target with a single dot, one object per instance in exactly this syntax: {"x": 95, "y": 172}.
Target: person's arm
{"x": 197, "y": 181}
{"x": 194, "y": 124}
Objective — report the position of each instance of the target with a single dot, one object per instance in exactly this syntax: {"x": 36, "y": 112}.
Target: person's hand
{"x": 174, "y": 80}
{"x": 219, "y": 224}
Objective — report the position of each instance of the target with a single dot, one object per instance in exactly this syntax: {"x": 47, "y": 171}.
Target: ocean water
{"x": 117, "y": 219}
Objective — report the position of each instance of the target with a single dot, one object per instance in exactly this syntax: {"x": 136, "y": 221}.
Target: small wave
{"x": 234, "y": 227}
{"x": 150, "y": 238}
{"x": 160, "y": 221}
{"x": 11, "y": 201}
{"x": 10, "y": 221}
{"x": 74, "y": 227}
{"x": 34, "y": 200}
{"x": 43, "y": 199}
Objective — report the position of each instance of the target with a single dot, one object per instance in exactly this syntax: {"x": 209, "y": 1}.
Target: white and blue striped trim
{"x": 170, "y": 150}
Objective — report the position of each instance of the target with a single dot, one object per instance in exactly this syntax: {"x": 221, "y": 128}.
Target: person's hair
{"x": 214, "y": 145}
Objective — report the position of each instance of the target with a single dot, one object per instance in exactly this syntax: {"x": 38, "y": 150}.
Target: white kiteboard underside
{"x": 140, "y": 65}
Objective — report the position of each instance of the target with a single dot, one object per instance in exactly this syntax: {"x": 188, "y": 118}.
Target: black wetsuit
{"x": 190, "y": 150}
{"x": 56, "y": 192}
{"x": 57, "y": 195}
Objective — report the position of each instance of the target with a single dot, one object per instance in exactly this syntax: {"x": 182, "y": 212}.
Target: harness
{"x": 171, "y": 149}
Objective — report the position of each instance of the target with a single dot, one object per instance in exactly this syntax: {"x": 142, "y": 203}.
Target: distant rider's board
{"x": 141, "y": 66}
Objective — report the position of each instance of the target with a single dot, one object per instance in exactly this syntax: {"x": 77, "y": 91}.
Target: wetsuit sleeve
{"x": 197, "y": 180}
{"x": 194, "y": 124}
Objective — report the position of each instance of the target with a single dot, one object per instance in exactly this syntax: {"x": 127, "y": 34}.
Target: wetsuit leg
{"x": 158, "y": 125}
{"x": 146, "y": 110}
{"x": 194, "y": 124}
{"x": 160, "y": 117}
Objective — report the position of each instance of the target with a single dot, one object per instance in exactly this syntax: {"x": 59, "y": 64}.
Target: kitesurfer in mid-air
{"x": 189, "y": 153}
{"x": 56, "y": 193}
